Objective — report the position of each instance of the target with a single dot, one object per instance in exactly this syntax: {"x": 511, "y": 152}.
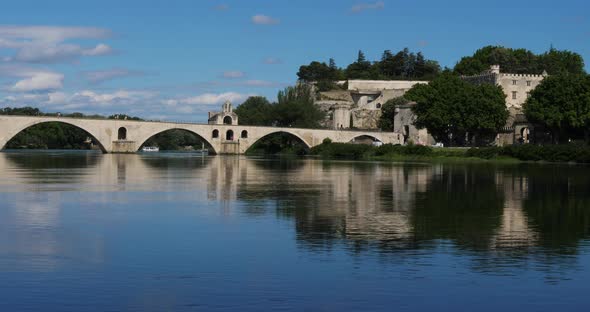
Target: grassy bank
{"x": 515, "y": 153}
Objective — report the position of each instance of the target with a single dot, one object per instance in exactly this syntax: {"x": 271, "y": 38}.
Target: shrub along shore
{"x": 527, "y": 152}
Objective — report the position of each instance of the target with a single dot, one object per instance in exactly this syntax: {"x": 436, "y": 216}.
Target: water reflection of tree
{"x": 558, "y": 207}
{"x": 500, "y": 219}
{"x": 463, "y": 204}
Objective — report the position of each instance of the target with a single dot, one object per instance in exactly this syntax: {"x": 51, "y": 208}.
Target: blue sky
{"x": 176, "y": 60}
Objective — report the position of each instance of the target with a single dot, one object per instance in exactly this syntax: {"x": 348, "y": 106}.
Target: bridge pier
{"x": 230, "y": 147}
{"x": 124, "y": 147}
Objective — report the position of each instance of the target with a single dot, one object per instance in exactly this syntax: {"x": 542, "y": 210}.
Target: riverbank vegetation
{"x": 526, "y": 152}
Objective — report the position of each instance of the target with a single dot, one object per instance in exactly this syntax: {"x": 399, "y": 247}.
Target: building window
{"x": 514, "y": 82}
{"x": 227, "y": 120}
{"x": 244, "y": 134}
{"x": 528, "y": 83}
{"x": 514, "y": 93}
{"x": 378, "y": 105}
{"x": 229, "y": 135}
{"x": 215, "y": 134}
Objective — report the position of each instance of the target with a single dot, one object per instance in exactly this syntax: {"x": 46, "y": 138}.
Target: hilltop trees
{"x": 456, "y": 112}
{"x": 295, "y": 108}
{"x": 403, "y": 65}
{"x": 561, "y": 103}
{"x": 255, "y": 111}
{"x": 521, "y": 61}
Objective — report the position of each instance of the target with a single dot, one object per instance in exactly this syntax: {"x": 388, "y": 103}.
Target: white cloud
{"x": 87, "y": 101}
{"x": 100, "y": 49}
{"x": 52, "y": 33}
{"x": 222, "y": 7}
{"x": 422, "y": 43}
{"x": 260, "y": 83}
{"x": 32, "y": 79}
{"x": 46, "y": 44}
{"x": 213, "y": 98}
{"x": 99, "y": 76}
{"x": 272, "y": 61}
{"x": 120, "y": 97}
{"x": 39, "y": 82}
{"x": 264, "y": 20}
{"x": 233, "y": 74}
{"x": 379, "y": 5}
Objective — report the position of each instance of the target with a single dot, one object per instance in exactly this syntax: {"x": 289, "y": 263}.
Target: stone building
{"x": 403, "y": 123}
{"x": 517, "y": 88}
{"x": 225, "y": 117}
{"x": 359, "y": 106}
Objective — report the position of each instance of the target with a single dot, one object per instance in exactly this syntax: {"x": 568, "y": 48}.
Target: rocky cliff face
{"x": 365, "y": 118}
{"x": 336, "y": 95}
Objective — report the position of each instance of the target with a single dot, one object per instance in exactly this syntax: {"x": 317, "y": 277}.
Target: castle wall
{"x": 380, "y": 85}
{"x": 403, "y": 123}
{"x": 517, "y": 87}
{"x": 341, "y": 117}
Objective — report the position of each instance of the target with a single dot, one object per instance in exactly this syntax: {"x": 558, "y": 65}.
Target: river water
{"x": 83, "y": 231}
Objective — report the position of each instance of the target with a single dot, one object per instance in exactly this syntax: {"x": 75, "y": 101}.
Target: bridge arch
{"x": 362, "y": 137}
{"x": 22, "y": 128}
{"x": 291, "y": 134}
{"x": 202, "y": 137}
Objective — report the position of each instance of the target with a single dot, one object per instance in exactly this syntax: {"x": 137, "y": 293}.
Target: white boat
{"x": 150, "y": 149}
{"x": 203, "y": 151}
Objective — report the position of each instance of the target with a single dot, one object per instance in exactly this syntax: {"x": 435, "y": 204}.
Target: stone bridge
{"x": 128, "y": 136}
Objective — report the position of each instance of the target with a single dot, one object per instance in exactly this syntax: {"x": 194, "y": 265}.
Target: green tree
{"x": 388, "y": 113}
{"x": 23, "y": 111}
{"x": 255, "y": 111}
{"x": 520, "y": 61}
{"x": 361, "y": 69}
{"x": 296, "y": 108}
{"x": 562, "y": 104}
{"x": 456, "y": 112}
{"x": 124, "y": 117}
{"x": 561, "y": 62}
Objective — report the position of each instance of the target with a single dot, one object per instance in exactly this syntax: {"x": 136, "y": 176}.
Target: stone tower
{"x": 227, "y": 107}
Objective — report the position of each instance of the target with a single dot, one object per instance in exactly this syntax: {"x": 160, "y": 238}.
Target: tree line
{"x": 294, "y": 108}
{"x": 33, "y": 111}
{"x": 460, "y": 113}
{"x": 521, "y": 61}
{"x": 403, "y": 65}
